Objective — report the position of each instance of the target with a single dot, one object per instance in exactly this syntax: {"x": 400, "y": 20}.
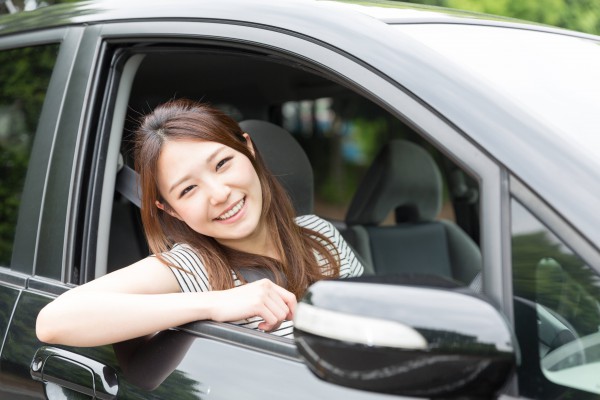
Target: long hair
{"x": 187, "y": 120}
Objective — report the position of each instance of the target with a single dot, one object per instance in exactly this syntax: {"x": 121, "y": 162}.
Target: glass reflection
{"x": 24, "y": 77}
{"x": 562, "y": 294}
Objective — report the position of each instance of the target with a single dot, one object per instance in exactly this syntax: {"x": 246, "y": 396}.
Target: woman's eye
{"x": 186, "y": 190}
{"x": 223, "y": 162}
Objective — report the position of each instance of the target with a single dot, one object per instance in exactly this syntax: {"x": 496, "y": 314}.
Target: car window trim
{"x": 36, "y": 38}
{"x": 390, "y": 95}
{"x": 65, "y": 172}
{"x": 12, "y": 278}
{"x": 27, "y": 234}
{"x": 263, "y": 342}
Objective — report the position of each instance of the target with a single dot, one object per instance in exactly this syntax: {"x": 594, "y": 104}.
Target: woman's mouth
{"x": 232, "y": 211}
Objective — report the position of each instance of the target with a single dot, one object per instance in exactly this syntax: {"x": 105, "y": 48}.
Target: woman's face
{"x": 213, "y": 189}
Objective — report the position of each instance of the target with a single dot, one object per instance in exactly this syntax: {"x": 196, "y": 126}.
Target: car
{"x": 457, "y": 153}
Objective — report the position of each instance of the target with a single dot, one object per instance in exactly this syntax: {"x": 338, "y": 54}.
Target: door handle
{"x": 74, "y": 371}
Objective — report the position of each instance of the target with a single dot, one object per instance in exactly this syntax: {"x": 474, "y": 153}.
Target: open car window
{"x": 421, "y": 216}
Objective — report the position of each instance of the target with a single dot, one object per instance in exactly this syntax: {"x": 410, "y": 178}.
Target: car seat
{"x": 405, "y": 179}
{"x": 286, "y": 160}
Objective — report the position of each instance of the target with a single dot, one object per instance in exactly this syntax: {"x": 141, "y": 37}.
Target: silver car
{"x": 458, "y": 154}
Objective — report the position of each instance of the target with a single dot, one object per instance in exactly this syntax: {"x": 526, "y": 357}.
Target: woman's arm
{"x": 144, "y": 298}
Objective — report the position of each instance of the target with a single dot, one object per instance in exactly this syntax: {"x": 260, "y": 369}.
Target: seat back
{"x": 405, "y": 179}
{"x": 286, "y": 160}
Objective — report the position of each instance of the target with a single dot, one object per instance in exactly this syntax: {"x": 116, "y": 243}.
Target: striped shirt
{"x": 193, "y": 277}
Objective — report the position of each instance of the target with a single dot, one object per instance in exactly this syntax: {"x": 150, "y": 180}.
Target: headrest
{"x": 403, "y": 178}
{"x": 286, "y": 160}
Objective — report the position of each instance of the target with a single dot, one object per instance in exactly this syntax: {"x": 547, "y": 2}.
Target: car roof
{"x": 259, "y": 11}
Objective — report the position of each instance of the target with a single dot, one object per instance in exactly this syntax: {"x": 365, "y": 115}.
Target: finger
{"x": 289, "y": 299}
{"x": 269, "y": 320}
{"x": 285, "y": 299}
{"x": 268, "y": 328}
{"x": 277, "y": 306}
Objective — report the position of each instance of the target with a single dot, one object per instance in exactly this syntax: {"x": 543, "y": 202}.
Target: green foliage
{"x": 13, "y": 165}
{"x": 368, "y": 134}
{"x": 578, "y": 15}
{"x": 19, "y": 5}
{"x": 544, "y": 272}
{"x": 24, "y": 77}
{"x": 364, "y": 135}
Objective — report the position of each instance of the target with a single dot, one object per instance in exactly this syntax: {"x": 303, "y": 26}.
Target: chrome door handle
{"x": 74, "y": 371}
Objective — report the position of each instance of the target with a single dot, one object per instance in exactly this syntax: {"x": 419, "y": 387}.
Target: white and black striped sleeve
{"x": 187, "y": 268}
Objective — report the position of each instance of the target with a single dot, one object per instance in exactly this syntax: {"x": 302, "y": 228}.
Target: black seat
{"x": 286, "y": 160}
{"x": 405, "y": 179}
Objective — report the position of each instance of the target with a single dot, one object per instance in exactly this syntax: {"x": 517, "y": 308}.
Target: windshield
{"x": 554, "y": 77}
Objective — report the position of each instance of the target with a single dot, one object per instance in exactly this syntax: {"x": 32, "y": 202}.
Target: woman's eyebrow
{"x": 214, "y": 154}
{"x": 209, "y": 159}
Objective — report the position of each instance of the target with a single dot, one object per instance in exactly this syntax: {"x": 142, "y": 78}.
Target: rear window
{"x": 24, "y": 77}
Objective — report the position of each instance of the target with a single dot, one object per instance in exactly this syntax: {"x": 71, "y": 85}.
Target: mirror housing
{"x": 406, "y": 340}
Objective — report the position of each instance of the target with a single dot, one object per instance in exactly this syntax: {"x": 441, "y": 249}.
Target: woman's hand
{"x": 261, "y": 298}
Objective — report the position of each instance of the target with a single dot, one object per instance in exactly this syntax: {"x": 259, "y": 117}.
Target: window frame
{"x": 27, "y": 232}
{"x": 56, "y": 254}
{"x": 340, "y": 67}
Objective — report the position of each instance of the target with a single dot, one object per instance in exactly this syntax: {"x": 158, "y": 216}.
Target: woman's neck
{"x": 260, "y": 243}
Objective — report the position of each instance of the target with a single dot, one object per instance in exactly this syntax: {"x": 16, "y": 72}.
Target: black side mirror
{"x": 407, "y": 340}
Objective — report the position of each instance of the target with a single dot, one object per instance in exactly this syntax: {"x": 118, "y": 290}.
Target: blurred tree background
{"x": 24, "y": 78}
{"x": 14, "y": 6}
{"x": 578, "y": 15}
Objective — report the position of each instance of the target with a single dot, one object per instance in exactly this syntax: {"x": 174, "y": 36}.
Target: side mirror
{"x": 406, "y": 340}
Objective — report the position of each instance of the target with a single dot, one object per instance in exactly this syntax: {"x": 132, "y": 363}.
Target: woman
{"x": 210, "y": 210}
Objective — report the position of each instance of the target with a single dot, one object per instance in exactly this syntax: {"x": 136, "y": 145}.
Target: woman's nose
{"x": 218, "y": 192}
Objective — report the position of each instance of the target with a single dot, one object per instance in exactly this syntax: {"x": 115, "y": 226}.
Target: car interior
{"x": 403, "y": 205}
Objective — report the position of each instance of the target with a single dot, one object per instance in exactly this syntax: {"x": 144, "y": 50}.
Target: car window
{"x": 343, "y": 134}
{"x": 24, "y": 77}
{"x": 557, "y": 312}
{"x": 375, "y": 175}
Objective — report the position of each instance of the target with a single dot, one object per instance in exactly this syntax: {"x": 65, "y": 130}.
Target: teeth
{"x": 233, "y": 211}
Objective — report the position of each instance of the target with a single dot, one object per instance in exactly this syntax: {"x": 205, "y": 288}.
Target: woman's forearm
{"x": 94, "y": 318}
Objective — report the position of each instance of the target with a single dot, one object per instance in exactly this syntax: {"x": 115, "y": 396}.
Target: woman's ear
{"x": 249, "y": 143}
{"x": 167, "y": 209}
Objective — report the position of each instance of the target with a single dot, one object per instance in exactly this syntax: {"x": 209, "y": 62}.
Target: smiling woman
{"x": 216, "y": 192}
{"x": 210, "y": 209}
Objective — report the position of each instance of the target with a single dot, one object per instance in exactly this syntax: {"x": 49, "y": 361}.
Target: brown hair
{"x": 187, "y": 120}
